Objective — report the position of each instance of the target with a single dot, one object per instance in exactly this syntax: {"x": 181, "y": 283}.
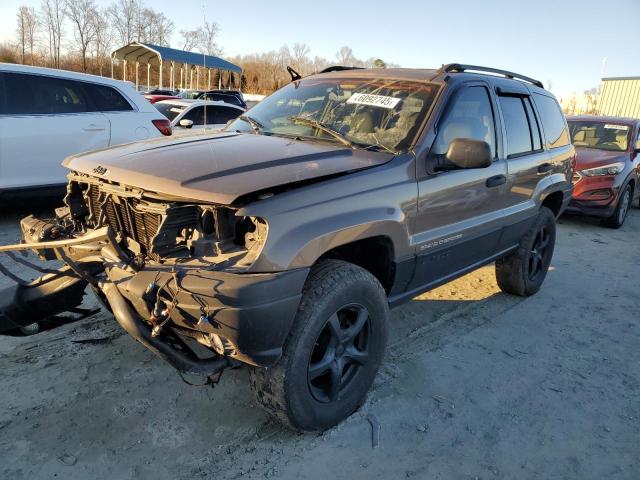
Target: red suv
{"x": 605, "y": 180}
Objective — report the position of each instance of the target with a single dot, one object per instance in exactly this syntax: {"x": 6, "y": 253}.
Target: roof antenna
{"x": 294, "y": 75}
{"x": 204, "y": 61}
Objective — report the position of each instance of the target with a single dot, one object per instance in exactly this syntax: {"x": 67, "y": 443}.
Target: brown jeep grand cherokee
{"x": 282, "y": 242}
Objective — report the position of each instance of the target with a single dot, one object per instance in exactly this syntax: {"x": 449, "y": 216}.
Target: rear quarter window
{"x": 106, "y": 99}
{"x": 553, "y": 122}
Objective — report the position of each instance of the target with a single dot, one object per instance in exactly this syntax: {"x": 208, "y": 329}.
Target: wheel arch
{"x": 553, "y": 201}
{"x": 375, "y": 254}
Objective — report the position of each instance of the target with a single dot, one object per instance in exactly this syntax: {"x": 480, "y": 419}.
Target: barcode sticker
{"x": 374, "y": 100}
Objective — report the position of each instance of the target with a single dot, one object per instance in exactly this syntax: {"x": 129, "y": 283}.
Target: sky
{"x": 564, "y": 42}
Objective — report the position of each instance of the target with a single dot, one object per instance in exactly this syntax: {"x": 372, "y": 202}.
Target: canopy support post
{"x": 137, "y": 75}
{"x": 208, "y": 79}
{"x": 172, "y": 80}
{"x": 124, "y": 70}
{"x": 197, "y": 77}
{"x": 160, "y": 81}
{"x": 111, "y": 67}
{"x": 148, "y": 77}
{"x": 219, "y": 79}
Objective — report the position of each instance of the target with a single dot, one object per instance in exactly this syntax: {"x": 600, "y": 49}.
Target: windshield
{"x": 189, "y": 94}
{"x": 599, "y": 135}
{"x": 169, "y": 110}
{"x": 362, "y": 112}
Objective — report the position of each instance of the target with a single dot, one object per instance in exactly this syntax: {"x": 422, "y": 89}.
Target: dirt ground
{"x": 476, "y": 385}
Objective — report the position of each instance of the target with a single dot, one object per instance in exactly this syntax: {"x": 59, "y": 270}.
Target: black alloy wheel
{"x": 539, "y": 253}
{"x": 340, "y": 351}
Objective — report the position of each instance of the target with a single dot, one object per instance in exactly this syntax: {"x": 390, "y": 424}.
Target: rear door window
{"x": 469, "y": 116}
{"x": 196, "y": 115}
{"x": 553, "y": 122}
{"x": 220, "y": 115}
{"x": 41, "y": 95}
{"x": 519, "y": 138}
{"x": 106, "y": 99}
{"x": 169, "y": 110}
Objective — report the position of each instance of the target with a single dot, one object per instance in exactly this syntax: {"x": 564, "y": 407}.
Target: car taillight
{"x": 163, "y": 126}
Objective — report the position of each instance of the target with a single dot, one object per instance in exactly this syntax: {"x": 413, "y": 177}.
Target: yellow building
{"x": 620, "y": 97}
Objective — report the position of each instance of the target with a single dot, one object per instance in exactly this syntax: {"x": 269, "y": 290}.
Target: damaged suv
{"x": 282, "y": 241}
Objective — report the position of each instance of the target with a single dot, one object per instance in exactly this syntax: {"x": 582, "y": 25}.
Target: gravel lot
{"x": 476, "y": 384}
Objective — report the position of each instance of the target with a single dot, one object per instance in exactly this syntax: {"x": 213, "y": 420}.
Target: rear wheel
{"x": 622, "y": 209}
{"x": 523, "y": 271}
{"x": 333, "y": 352}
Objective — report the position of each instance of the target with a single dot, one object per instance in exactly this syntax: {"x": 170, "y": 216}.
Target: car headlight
{"x": 611, "y": 169}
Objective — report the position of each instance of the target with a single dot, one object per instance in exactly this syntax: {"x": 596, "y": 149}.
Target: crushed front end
{"x": 174, "y": 272}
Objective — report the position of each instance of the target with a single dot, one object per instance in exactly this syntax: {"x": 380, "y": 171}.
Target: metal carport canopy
{"x": 150, "y": 54}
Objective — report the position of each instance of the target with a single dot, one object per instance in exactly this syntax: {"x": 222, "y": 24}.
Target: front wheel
{"x": 332, "y": 353}
{"x": 622, "y": 209}
{"x": 523, "y": 271}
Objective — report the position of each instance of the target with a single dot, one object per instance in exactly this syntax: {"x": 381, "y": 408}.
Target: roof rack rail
{"x": 338, "y": 68}
{"x": 458, "y": 67}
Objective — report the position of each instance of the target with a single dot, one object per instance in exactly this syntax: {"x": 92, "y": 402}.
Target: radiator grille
{"x": 123, "y": 217}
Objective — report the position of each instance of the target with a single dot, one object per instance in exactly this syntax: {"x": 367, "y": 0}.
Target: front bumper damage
{"x": 177, "y": 311}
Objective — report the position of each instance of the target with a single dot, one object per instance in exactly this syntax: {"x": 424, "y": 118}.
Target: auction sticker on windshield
{"x": 616, "y": 127}
{"x": 374, "y": 100}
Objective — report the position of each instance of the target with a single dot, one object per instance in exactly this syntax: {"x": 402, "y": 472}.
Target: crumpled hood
{"x": 593, "y": 158}
{"x": 219, "y": 168}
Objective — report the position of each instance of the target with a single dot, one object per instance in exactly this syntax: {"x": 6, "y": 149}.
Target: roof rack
{"x": 338, "y": 68}
{"x": 458, "y": 67}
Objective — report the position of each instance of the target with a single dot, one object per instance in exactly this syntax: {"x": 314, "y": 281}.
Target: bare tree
{"x": 300, "y": 57}
{"x": 82, "y": 14}
{"x": 22, "y": 32}
{"x": 190, "y": 39}
{"x": 31, "y": 24}
{"x": 154, "y": 27}
{"x": 124, "y": 19}
{"x": 208, "y": 39}
{"x": 345, "y": 56}
{"x": 103, "y": 37}
{"x": 320, "y": 63}
{"x": 53, "y": 17}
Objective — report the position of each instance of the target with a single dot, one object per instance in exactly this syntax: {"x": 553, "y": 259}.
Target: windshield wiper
{"x": 380, "y": 146}
{"x": 320, "y": 126}
{"x": 256, "y": 126}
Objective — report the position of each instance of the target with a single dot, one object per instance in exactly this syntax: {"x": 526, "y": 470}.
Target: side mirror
{"x": 469, "y": 153}
{"x": 185, "y": 123}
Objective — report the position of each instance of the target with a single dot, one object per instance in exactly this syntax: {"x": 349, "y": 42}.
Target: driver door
{"x": 458, "y": 220}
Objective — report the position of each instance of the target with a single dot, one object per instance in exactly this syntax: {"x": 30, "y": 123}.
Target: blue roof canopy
{"x": 154, "y": 54}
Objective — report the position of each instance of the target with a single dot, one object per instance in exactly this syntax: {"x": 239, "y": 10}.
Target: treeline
{"x": 79, "y": 35}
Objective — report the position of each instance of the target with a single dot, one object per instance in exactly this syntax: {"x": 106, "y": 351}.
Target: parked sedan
{"x": 153, "y": 98}
{"x": 607, "y": 167}
{"x": 192, "y": 115}
{"x": 234, "y": 97}
{"x": 47, "y": 115}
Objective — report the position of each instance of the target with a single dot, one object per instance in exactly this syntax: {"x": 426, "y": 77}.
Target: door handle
{"x": 92, "y": 127}
{"x": 496, "y": 181}
{"x": 545, "y": 168}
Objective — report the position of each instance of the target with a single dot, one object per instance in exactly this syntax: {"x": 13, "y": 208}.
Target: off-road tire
{"x": 512, "y": 271}
{"x": 625, "y": 201}
{"x": 283, "y": 390}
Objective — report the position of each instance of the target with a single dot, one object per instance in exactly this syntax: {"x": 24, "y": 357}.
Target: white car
{"x": 197, "y": 115}
{"x": 47, "y": 115}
